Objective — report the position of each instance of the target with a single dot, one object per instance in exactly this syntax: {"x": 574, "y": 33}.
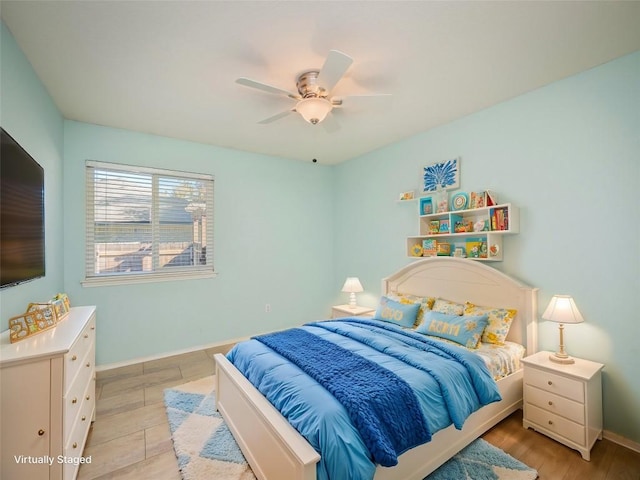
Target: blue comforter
{"x": 448, "y": 382}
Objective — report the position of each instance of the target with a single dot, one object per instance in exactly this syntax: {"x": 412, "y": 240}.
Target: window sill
{"x": 144, "y": 278}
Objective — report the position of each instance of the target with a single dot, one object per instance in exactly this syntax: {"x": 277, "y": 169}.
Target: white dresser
{"x": 564, "y": 401}
{"x": 47, "y": 399}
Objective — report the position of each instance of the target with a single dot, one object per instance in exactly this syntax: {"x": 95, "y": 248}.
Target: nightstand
{"x": 564, "y": 401}
{"x": 340, "y": 311}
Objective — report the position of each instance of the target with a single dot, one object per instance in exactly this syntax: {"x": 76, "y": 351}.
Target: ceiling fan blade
{"x": 330, "y": 123}
{"x": 351, "y": 101}
{"x": 247, "y": 82}
{"x": 275, "y": 117}
{"x": 334, "y": 68}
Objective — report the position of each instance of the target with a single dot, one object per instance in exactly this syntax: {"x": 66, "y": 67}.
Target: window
{"x": 146, "y": 224}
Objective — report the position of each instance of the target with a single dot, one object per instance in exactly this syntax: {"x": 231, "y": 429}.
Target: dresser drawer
{"x": 77, "y": 353}
{"x": 554, "y": 403}
{"x": 75, "y": 396}
{"x": 566, "y": 387}
{"x": 556, "y": 424}
{"x": 74, "y": 442}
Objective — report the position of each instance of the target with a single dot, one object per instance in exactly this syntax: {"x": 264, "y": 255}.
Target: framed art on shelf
{"x": 441, "y": 175}
{"x": 426, "y": 206}
{"x": 404, "y": 196}
{"x": 459, "y": 201}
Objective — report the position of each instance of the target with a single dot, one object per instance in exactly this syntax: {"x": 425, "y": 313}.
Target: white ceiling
{"x": 169, "y": 67}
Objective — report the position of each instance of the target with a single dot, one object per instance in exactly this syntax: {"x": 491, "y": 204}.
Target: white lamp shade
{"x": 562, "y": 309}
{"x": 314, "y": 109}
{"x": 352, "y": 285}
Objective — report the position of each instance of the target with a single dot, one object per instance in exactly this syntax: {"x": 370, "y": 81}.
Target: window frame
{"x": 92, "y": 279}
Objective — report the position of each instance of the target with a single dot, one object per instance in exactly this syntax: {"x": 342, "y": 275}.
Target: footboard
{"x": 273, "y": 448}
{"x": 276, "y": 451}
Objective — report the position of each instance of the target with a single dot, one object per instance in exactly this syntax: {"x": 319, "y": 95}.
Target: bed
{"x": 275, "y": 450}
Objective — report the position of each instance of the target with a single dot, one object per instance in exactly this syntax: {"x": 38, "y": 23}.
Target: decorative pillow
{"x": 425, "y": 303}
{"x": 499, "y": 321}
{"x": 465, "y": 330}
{"x": 450, "y": 308}
{"x": 396, "y": 312}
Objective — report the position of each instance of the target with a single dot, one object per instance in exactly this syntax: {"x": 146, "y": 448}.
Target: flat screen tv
{"x": 21, "y": 215}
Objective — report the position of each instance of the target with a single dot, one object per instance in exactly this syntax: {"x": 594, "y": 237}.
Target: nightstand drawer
{"x": 566, "y": 387}
{"x": 555, "y": 403}
{"x": 556, "y": 424}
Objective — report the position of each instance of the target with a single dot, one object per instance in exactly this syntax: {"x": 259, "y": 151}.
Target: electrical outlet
{"x": 267, "y": 308}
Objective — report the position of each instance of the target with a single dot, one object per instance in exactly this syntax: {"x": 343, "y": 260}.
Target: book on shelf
{"x": 499, "y": 218}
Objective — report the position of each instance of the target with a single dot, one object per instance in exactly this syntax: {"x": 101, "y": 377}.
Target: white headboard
{"x": 461, "y": 280}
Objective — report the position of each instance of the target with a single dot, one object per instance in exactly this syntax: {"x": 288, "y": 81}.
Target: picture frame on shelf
{"x": 482, "y": 199}
{"x": 445, "y": 175}
{"x": 429, "y": 247}
{"x": 409, "y": 195}
{"x": 426, "y": 206}
{"x": 459, "y": 201}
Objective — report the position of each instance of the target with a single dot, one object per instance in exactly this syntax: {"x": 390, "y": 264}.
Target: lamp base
{"x": 559, "y": 358}
{"x": 352, "y": 300}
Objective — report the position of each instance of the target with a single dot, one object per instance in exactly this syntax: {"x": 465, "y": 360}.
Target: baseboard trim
{"x": 133, "y": 361}
{"x": 622, "y": 441}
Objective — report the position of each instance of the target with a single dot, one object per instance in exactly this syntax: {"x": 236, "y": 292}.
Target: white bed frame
{"x": 276, "y": 451}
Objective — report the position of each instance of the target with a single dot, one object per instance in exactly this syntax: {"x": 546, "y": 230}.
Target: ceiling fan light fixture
{"x": 314, "y": 109}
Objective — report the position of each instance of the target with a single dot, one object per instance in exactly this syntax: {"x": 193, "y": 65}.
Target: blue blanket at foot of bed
{"x": 380, "y": 404}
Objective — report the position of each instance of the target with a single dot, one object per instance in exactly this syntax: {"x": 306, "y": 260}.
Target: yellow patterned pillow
{"x": 450, "y": 308}
{"x": 426, "y": 303}
{"x": 500, "y": 320}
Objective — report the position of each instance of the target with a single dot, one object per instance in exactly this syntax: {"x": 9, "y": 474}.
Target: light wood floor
{"x": 130, "y": 438}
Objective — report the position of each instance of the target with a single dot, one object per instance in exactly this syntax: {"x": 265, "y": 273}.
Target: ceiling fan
{"x": 313, "y": 100}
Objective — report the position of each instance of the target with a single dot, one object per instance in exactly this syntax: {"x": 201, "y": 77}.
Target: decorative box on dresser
{"x": 47, "y": 399}
{"x": 564, "y": 401}
{"x": 341, "y": 311}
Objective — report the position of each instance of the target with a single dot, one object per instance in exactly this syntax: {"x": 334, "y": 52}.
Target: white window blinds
{"x": 144, "y": 222}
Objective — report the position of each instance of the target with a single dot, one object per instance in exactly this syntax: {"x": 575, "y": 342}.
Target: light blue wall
{"x": 31, "y": 118}
{"x": 289, "y": 233}
{"x": 569, "y": 156}
{"x": 272, "y": 245}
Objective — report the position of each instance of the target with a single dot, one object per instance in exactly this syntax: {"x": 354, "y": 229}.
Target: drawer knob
{"x": 550, "y": 422}
{"x": 75, "y": 445}
{"x": 550, "y": 382}
{"x": 93, "y": 327}
{"x": 84, "y": 418}
{"x": 40, "y": 432}
{"x": 550, "y": 402}
{"x": 74, "y": 358}
{"x": 75, "y": 400}
{"x": 88, "y": 364}
{"x": 88, "y": 397}
{"x": 86, "y": 335}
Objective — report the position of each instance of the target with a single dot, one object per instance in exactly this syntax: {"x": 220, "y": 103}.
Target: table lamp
{"x": 352, "y": 286}
{"x": 562, "y": 309}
